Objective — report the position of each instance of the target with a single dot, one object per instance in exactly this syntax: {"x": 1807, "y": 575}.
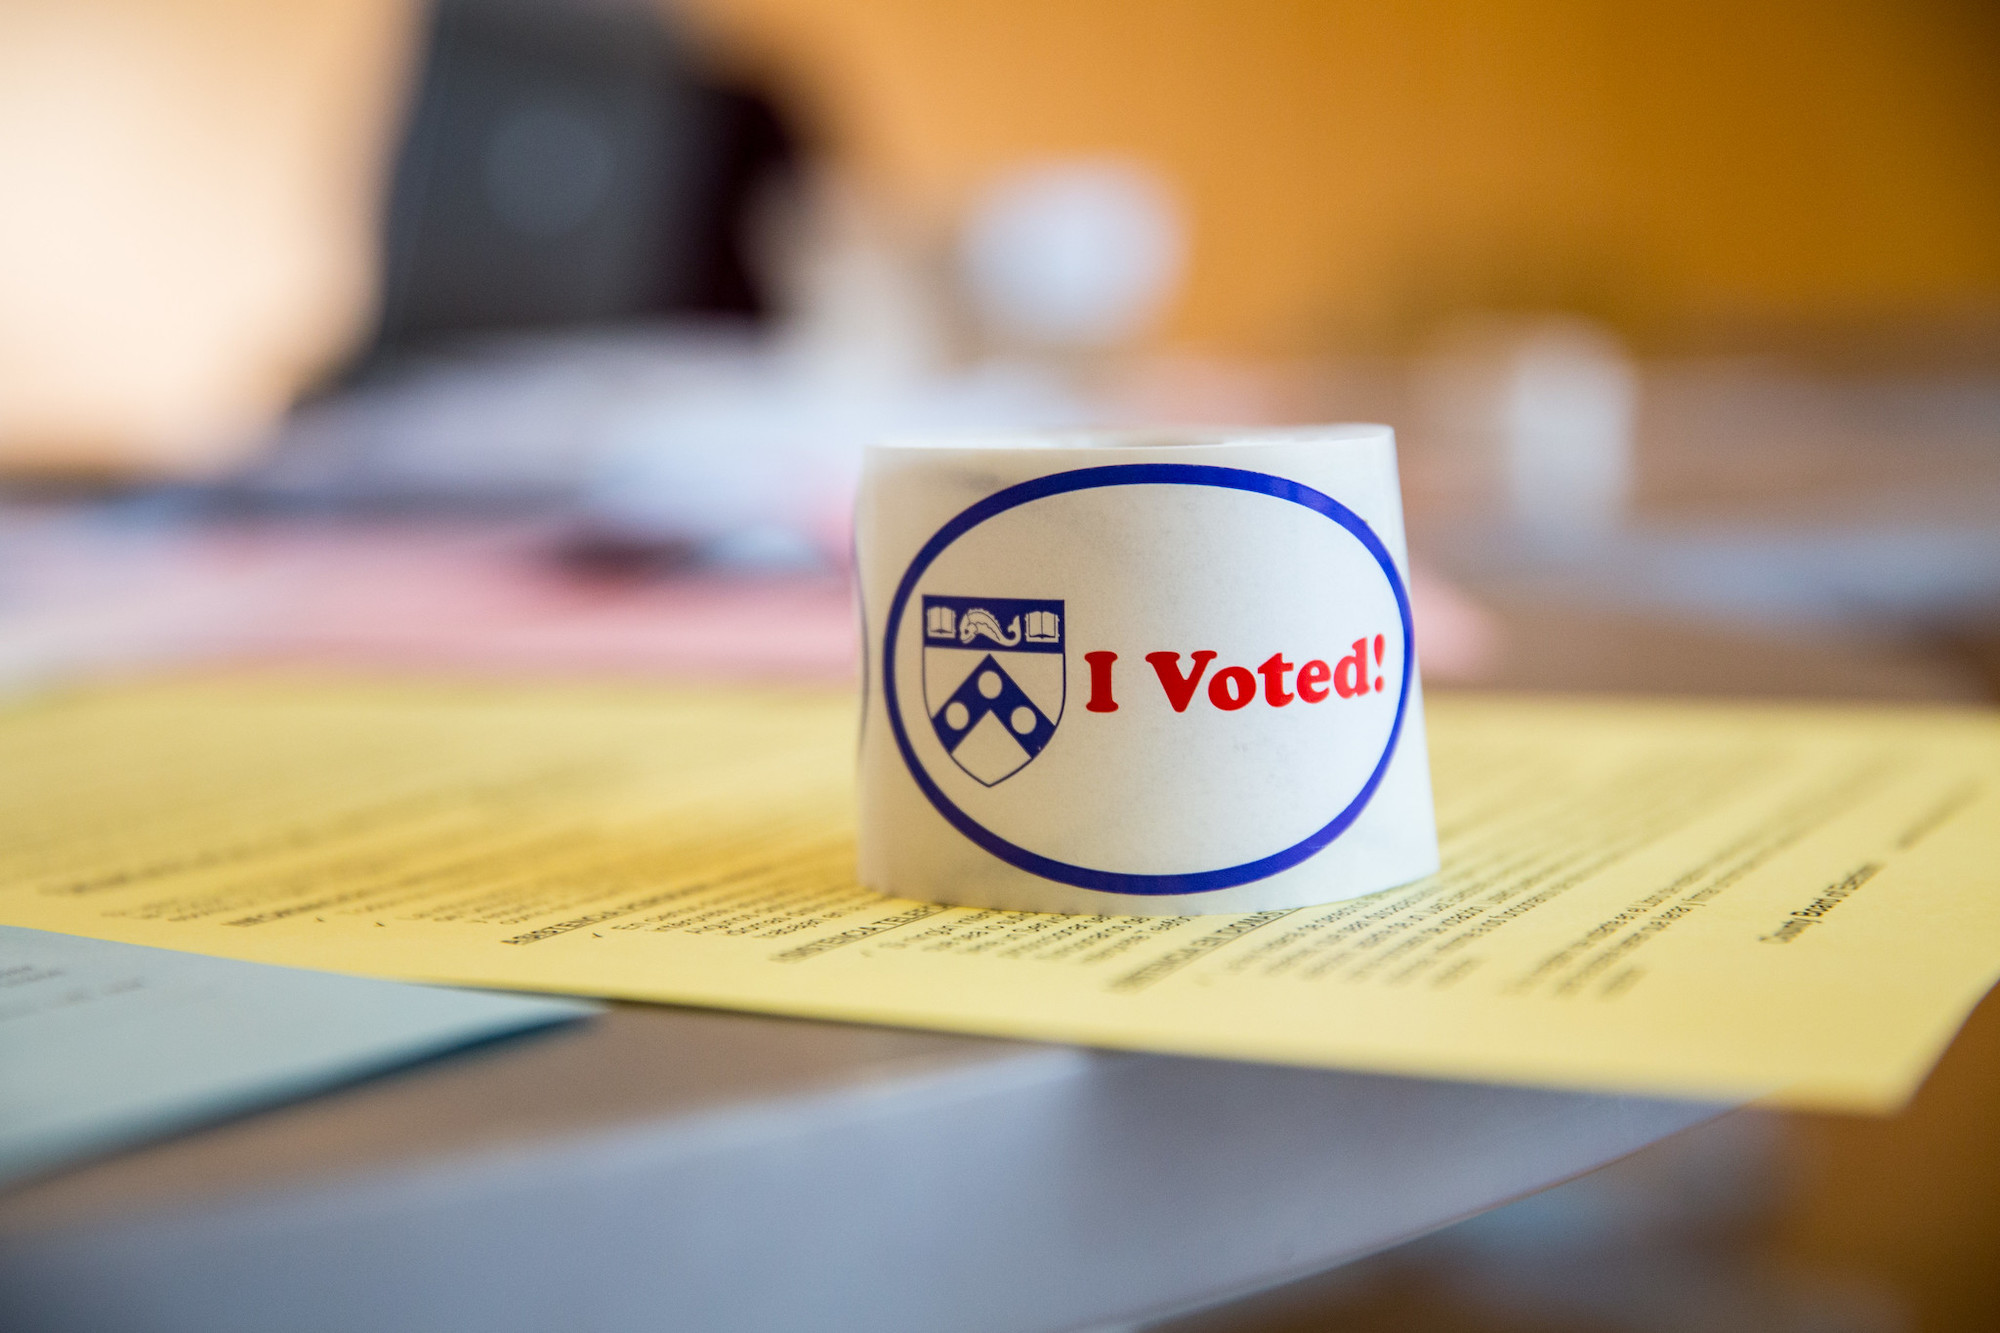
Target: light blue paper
{"x": 106, "y": 1045}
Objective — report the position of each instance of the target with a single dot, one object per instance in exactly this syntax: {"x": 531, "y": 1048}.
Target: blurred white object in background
{"x": 759, "y": 471}
{"x": 1549, "y": 405}
{"x": 1567, "y": 419}
{"x": 1072, "y": 255}
{"x": 856, "y": 306}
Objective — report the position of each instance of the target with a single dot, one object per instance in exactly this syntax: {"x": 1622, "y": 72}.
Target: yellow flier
{"x": 1795, "y": 903}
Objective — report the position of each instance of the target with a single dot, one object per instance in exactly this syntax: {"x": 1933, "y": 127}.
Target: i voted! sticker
{"x": 1150, "y": 678}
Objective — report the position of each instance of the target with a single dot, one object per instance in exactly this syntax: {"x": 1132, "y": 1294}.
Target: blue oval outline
{"x": 1142, "y": 474}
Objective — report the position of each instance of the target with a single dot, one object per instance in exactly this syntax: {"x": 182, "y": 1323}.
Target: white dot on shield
{"x": 989, "y": 685}
{"x": 956, "y": 716}
{"x": 1024, "y": 720}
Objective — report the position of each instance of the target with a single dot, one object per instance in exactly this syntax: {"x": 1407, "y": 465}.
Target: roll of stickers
{"x": 1140, "y": 673}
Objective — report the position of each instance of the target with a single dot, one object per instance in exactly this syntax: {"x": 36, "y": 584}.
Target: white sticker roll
{"x": 1139, "y": 673}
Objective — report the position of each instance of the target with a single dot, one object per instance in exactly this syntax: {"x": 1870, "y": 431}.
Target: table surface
{"x": 672, "y": 1168}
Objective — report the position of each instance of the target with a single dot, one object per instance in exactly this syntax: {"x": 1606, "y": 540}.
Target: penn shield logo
{"x": 993, "y": 680}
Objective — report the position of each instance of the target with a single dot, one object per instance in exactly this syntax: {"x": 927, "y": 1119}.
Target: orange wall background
{"x": 188, "y": 198}
{"x": 192, "y": 186}
{"x": 1353, "y": 171}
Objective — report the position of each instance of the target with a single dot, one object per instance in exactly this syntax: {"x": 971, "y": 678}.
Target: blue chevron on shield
{"x": 993, "y": 680}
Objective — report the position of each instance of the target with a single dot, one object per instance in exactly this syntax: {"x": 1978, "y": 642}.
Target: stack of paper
{"x": 1713, "y": 901}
